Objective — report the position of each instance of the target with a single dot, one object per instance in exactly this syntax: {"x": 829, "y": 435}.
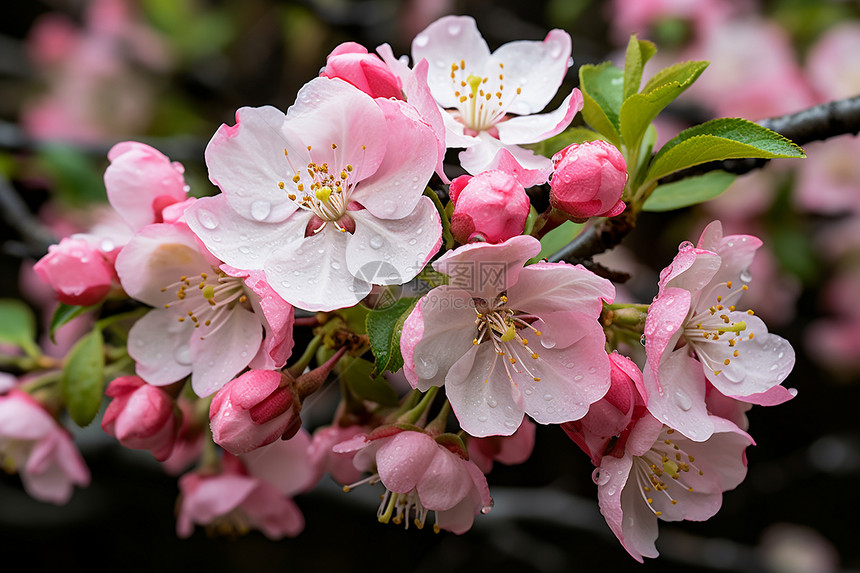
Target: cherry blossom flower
{"x": 249, "y": 493}
{"x": 201, "y": 309}
{"x": 34, "y": 444}
{"x": 420, "y": 475}
{"x": 338, "y": 464}
{"x": 588, "y": 180}
{"x": 481, "y": 89}
{"x": 141, "y": 416}
{"x": 664, "y": 476}
{"x": 695, "y": 314}
{"x": 492, "y": 205}
{"x": 319, "y": 196}
{"x": 509, "y": 450}
{"x": 352, "y": 63}
{"x": 505, "y": 340}
{"x": 76, "y": 271}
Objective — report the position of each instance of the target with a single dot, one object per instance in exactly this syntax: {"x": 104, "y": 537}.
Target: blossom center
{"x": 716, "y": 327}
{"x": 398, "y": 508}
{"x": 503, "y": 327}
{"x": 322, "y": 190}
{"x": 207, "y": 300}
{"x": 663, "y": 472}
{"x": 481, "y": 100}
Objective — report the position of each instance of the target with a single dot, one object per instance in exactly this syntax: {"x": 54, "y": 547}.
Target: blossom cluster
{"x": 334, "y": 210}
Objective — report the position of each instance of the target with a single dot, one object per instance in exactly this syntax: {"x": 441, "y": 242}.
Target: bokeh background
{"x": 77, "y": 76}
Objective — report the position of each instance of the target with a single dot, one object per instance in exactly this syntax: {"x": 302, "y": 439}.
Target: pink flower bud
{"x": 602, "y": 431}
{"x": 78, "y": 272}
{"x": 588, "y": 180}
{"x": 492, "y": 204}
{"x": 351, "y": 62}
{"x": 252, "y": 411}
{"x": 141, "y": 416}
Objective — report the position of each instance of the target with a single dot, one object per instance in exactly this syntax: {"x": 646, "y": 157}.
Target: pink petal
{"x": 505, "y": 161}
{"x": 482, "y": 155}
{"x": 445, "y": 483}
{"x": 534, "y": 128}
{"x": 393, "y": 191}
{"x": 552, "y": 287}
{"x": 679, "y": 400}
{"x": 393, "y": 252}
{"x": 614, "y": 504}
{"x": 155, "y": 341}
{"x": 247, "y": 161}
{"x": 664, "y": 326}
{"x": 286, "y": 464}
{"x": 691, "y": 269}
{"x": 403, "y": 460}
{"x": 485, "y": 270}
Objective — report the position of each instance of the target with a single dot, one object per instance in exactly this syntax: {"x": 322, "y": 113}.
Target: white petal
{"x": 158, "y": 343}
{"x": 478, "y": 157}
{"x": 392, "y": 252}
{"x": 218, "y": 356}
{"x": 533, "y": 128}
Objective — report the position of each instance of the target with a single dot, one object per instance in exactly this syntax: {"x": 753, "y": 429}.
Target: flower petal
{"x": 552, "y": 287}
{"x": 416, "y": 448}
{"x": 445, "y": 482}
{"x": 447, "y": 41}
{"x": 679, "y": 399}
{"x": 242, "y": 243}
{"x": 212, "y": 366}
{"x": 155, "y": 342}
{"x": 482, "y": 394}
{"x": 536, "y": 68}
{"x": 312, "y": 274}
{"x": 533, "y": 128}
{"x": 480, "y": 156}
{"x": 393, "y": 252}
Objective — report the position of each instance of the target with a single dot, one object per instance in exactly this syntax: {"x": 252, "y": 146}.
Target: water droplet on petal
{"x": 454, "y": 29}
{"x": 183, "y": 355}
{"x": 107, "y": 246}
{"x": 244, "y": 250}
{"x": 486, "y": 509}
{"x": 260, "y": 210}
{"x": 482, "y": 418}
{"x": 412, "y": 241}
{"x": 746, "y": 276}
{"x": 547, "y": 340}
{"x": 528, "y": 391}
{"x": 491, "y": 402}
{"x": 510, "y": 424}
{"x": 685, "y": 246}
{"x": 388, "y": 207}
{"x": 377, "y": 242}
{"x": 683, "y": 400}
{"x": 207, "y": 219}
{"x": 547, "y": 397}
{"x": 419, "y": 230}
{"x": 642, "y": 340}
{"x": 426, "y": 367}
{"x": 335, "y": 265}
{"x": 554, "y": 50}
{"x": 285, "y": 284}
{"x": 599, "y": 477}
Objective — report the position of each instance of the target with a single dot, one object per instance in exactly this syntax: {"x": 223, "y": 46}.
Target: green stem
{"x": 446, "y": 224}
{"x": 110, "y": 320}
{"x": 440, "y": 422}
{"x": 620, "y": 305}
{"x": 296, "y": 369}
{"x": 416, "y": 413}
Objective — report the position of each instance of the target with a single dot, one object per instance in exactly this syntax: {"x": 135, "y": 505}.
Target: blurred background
{"x": 78, "y": 76}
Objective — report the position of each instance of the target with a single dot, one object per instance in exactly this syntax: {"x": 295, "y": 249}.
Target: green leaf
{"x": 678, "y": 73}
{"x": 556, "y": 143}
{"x": 78, "y": 180}
{"x": 64, "y": 314}
{"x": 18, "y": 326}
{"x": 383, "y": 331}
{"x": 602, "y": 90}
{"x": 718, "y": 139}
{"x": 358, "y": 374}
{"x": 638, "y": 54}
{"x": 688, "y": 191}
{"x": 639, "y": 110}
{"x": 82, "y": 382}
{"x": 555, "y": 240}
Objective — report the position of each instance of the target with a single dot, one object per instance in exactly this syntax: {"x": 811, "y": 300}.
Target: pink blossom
{"x": 639, "y": 16}
{"x": 827, "y": 180}
{"x": 324, "y": 198}
{"x": 509, "y": 450}
{"x": 492, "y": 205}
{"x": 141, "y": 416}
{"x": 602, "y": 430}
{"x": 663, "y": 475}
{"x": 189, "y": 439}
{"x": 78, "y": 273}
{"x": 338, "y": 464}
{"x": 588, "y": 180}
{"x": 141, "y": 181}
{"x": 351, "y": 62}
{"x": 695, "y": 314}
{"x": 830, "y": 66}
{"x": 420, "y": 475}
{"x": 481, "y": 89}
{"x": 40, "y": 449}
{"x": 252, "y": 411}
{"x": 201, "y": 309}
{"x": 235, "y": 501}
{"x": 501, "y": 337}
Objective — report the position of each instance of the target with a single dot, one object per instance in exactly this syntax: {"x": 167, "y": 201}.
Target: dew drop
{"x": 260, "y": 210}
{"x": 550, "y": 410}
{"x": 486, "y": 509}
{"x": 183, "y": 355}
{"x": 388, "y": 207}
{"x": 244, "y": 354}
{"x": 577, "y": 378}
{"x": 482, "y": 418}
{"x": 207, "y": 219}
{"x": 510, "y": 424}
{"x": 683, "y": 400}
{"x": 554, "y": 50}
{"x": 592, "y": 370}
{"x": 419, "y": 230}
{"x": 780, "y": 355}
{"x": 642, "y": 340}
{"x": 285, "y": 284}
{"x": 335, "y": 265}
{"x": 547, "y": 397}
{"x": 107, "y": 246}
{"x": 746, "y": 276}
{"x": 426, "y": 367}
{"x": 244, "y": 250}
{"x": 774, "y": 367}
{"x": 377, "y": 242}
{"x": 491, "y": 402}
{"x": 454, "y": 29}
{"x": 599, "y": 477}
{"x": 685, "y": 246}
{"x": 547, "y": 340}
{"x": 529, "y": 391}
{"x": 243, "y": 237}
